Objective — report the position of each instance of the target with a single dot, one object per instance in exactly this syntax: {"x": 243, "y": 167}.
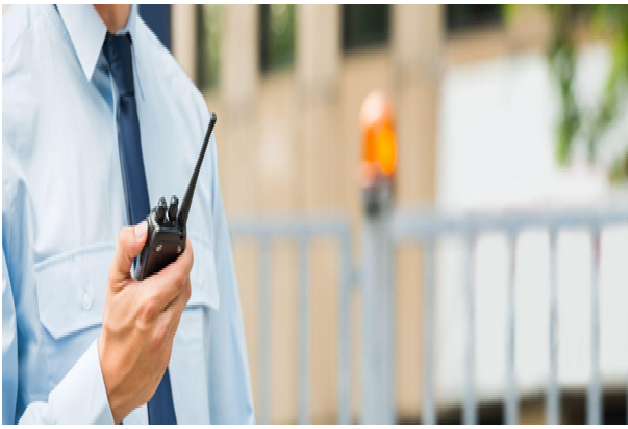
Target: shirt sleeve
{"x": 9, "y": 349}
{"x": 231, "y": 399}
{"x": 80, "y": 398}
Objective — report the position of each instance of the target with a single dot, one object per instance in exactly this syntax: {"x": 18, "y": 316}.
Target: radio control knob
{"x": 174, "y": 207}
{"x": 160, "y": 213}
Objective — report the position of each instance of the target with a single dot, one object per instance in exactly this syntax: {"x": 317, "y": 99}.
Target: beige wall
{"x": 289, "y": 143}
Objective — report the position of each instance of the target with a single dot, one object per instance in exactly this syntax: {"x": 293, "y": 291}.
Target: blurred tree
{"x": 610, "y": 22}
{"x": 277, "y": 31}
{"x": 210, "y": 18}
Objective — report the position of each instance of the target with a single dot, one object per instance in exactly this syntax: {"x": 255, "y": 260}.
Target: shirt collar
{"x": 87, "y": 32}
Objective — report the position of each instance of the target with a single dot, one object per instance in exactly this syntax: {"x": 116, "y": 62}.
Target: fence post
{"x": 512, "y": 398}
{"x": 377, "y": 322}
{"x": 389, "y": 290}
{"x": 594, "y": 399}
{"x": 344, "y": 331}
{"x": 377, "y": 179}
{"x": 429, "y": 412}
{"x": 470, "y": 406}
{"x": 265, "y": 312}
{"x": 304, "y": 331}
{"x": 553, "y": 398}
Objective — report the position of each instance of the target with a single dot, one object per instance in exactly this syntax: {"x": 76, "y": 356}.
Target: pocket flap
{"x": 71, "y": 288}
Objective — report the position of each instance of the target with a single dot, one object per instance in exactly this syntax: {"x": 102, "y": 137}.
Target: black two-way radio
{"x": 166, "y": 229}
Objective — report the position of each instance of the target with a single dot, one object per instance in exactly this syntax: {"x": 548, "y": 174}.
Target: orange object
{"x": 379, "y": 143}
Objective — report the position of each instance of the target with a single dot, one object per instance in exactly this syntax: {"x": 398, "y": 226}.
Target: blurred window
{"x": 276, "y": 36}
{"x": 210, "y": 32}
{"x": 364, "y": 25}
{"x": 460, "y": 17}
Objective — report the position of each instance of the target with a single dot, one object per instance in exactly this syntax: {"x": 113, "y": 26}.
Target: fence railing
{"x": 302, "y": 231}
{"x": 379, "y": 243}
{"x": 426, "y": 228}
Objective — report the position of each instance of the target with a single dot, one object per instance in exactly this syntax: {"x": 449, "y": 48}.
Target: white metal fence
{"x": 426, "y": 228}
{"x": 381, "y": 236}
{"x": 302, "y": 231}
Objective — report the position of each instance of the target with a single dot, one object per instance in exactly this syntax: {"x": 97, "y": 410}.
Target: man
{"x": 98, "y": 122}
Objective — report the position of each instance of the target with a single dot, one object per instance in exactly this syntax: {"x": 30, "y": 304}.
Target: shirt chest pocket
{"x": 71, "y": 289}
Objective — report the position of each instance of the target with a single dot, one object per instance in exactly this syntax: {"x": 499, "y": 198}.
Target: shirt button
{"x": 87, "y": 301}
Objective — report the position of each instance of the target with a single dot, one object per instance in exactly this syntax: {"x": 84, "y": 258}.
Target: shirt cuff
{"x": 81, "y": 398}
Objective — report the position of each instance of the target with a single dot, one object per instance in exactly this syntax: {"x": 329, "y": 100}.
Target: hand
{"x": 139, "y": 322}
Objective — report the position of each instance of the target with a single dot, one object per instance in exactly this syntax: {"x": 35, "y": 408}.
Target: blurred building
{"x": 287, "y": 82}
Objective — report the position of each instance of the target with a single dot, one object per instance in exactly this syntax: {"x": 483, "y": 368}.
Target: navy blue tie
{"x": 117, "y": 50}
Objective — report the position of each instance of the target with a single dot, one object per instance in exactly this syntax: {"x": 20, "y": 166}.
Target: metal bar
{"x": 379, "y": 322}
{"x": 369, "y": 369}
{"x": 374, "y": 324}
{"x": 381, "y": 346}
{"x": 429, "y": 409}
{"x": 265, "y": 312}
{"x": 553, "y": 398}
{"x": 389, "y": 290}
{"x": 594, "y": 398}
{"x": 511, "y": 404}
{"x": 287, "y": 227}
{"x": 469, "y": 407}
{"x": 413, "y": 225}
{"x": 304, "y": 332}
{"x": 344, "y": 333}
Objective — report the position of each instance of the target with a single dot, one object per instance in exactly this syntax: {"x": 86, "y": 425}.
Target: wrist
{"x": 114, "y": 405}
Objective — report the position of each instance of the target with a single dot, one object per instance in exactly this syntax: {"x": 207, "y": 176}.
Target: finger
{"x": 168, "y": 320}
{"x": 172, "y": 315}
{"x": 176, "y": 307}
{"x": 167, "y": 325}
{"x": 163, "y": 287}
{"x": 130, "y": 243}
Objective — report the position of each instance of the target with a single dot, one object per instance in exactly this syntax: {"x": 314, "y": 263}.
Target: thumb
{"x": 130, "y": 243}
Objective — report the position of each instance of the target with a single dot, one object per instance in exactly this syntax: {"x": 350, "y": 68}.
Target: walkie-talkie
{"x": 166, "y": 229}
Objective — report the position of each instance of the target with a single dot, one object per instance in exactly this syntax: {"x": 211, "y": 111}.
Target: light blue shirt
{"x": 63, "y": 206}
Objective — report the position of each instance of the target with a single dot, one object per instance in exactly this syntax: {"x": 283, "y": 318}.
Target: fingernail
{"x": 140, "y": 229}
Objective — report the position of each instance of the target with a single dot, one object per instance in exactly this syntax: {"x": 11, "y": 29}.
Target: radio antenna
{"x": 189, "y": 192}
